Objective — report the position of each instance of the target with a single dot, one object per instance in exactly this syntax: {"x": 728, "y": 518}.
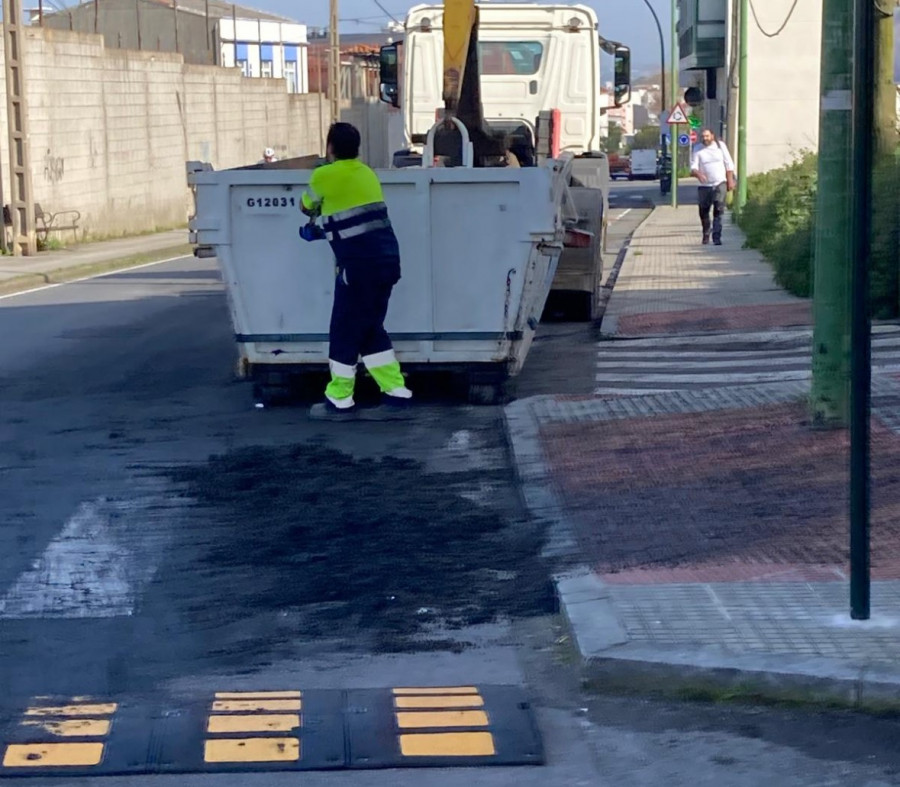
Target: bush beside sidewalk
{"x": 700, "y": 533}
{"x": 780, "y": 217}
{"x": 89, "y": 259}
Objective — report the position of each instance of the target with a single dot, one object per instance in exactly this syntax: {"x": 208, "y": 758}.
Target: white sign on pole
{"x": 677, "y": 115}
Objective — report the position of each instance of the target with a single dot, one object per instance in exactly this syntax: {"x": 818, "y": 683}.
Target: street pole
{"x": 662, "y": 58}
{"x": 334, "y": 64}
{"x": 833, "y": 249}
{"x": 673, "y": 130}
{"x": 862, "y": 136}
{"x": 21, "y": 199}
{"x": 742, "y": 109}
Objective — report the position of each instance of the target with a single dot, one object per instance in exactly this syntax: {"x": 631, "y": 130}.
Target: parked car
{"x": 619, "y": 166}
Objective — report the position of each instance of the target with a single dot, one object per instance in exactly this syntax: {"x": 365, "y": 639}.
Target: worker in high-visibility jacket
{"x": 350, "y": 200}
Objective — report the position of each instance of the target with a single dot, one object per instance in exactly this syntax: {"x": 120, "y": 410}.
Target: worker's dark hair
{"x": 344, "y": 141}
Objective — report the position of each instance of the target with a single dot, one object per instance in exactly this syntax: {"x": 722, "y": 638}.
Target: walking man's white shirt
{"x": 712, "y": 162}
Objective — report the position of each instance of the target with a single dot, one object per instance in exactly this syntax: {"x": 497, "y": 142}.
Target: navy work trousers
{"x": 712, "y": 197}
{"x": 362, "y": 292}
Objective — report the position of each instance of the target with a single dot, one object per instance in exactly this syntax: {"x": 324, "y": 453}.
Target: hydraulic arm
{"x": 462, "y": 89}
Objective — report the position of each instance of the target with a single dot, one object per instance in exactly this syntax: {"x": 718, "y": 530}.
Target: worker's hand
{"x": 312, "y": 232}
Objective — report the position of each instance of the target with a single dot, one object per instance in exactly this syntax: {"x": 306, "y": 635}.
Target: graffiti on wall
{"x": 54, "y": 167}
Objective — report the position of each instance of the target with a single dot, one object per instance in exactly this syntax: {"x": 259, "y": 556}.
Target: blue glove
{"x": 311, "y": 232}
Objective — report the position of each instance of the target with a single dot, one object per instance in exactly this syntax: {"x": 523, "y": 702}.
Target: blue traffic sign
{"x": 684, "y": 139}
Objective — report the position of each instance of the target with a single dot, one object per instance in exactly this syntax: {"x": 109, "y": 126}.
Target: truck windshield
{"x": 510, "y": 58}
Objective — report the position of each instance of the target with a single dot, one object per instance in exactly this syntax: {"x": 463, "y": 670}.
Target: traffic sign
{"x": 695, "y": 121}
{"x": 684, "y": 139}
{"x": 693, "y": 136}
{"x": 677, "y": 115}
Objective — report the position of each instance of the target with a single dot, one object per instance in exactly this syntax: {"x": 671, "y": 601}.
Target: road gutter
{"x": 70, "y": 273}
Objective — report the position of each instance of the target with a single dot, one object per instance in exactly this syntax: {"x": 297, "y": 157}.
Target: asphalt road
{"x": 127, "y": 569}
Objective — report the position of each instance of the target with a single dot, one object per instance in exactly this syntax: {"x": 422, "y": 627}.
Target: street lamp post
{"x": 662, "y": 59}
{"x": 673, "y": 130}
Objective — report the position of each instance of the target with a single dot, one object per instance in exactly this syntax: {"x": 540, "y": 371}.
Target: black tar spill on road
{"x": 378, "y": 547}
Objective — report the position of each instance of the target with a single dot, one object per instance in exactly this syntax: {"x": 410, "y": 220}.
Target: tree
{"x": 646, "y": 139}
{"x": 614, "y": 138}
{"x": 885, "y": 92}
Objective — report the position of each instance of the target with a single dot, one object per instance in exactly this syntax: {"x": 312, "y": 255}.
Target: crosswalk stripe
{"x": 634, "y": 367}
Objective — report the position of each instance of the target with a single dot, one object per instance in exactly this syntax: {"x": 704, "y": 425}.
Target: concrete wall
{"x": 110, "y": 130}
{"x": 783, "y": 83}
{"x": 118, "y": 23}
{"x": 381, "y": 129}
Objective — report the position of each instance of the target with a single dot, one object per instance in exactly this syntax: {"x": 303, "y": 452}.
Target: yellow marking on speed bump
{"x": 447, "y": 744}
{"x": 95, "y": 709}
{"x": 251, "y": 706}
{"x": 72, "y": 728}
{"x": 253, "y": 723}
{"x": 436, "y": 702}
{"x": 258, "y": 695}
{"x": 447, "y": 718}
{"x": 52, "y": 755}
{"x": 442, "y": 690}
{"x": 252, "y": 750}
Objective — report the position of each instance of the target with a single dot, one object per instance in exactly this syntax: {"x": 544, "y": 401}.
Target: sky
{"x": 626, "y": 21}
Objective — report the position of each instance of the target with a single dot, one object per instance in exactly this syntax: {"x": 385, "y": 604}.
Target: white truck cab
{"x": 533, "y": 58}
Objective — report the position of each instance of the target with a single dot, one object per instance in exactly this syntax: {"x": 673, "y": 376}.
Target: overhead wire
{"x": 784, "y": 24}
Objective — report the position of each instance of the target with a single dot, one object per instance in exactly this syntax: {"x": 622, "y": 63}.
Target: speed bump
{"x": 272, "y": 730}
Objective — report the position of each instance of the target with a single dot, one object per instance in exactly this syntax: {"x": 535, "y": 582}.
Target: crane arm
{"x": 462, "y": 88}
{"x": 460, "y": 27}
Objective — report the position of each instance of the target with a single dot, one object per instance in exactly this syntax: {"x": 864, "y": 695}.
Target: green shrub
{"x": 779, "y": 221}
{"x": 884, "y": 273}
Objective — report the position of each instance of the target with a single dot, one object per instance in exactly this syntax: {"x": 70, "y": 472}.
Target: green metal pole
{"x": 863, "y": 103}
{"x": 742, "y": 108}
{"x": 673, "y": 130}
{"x": 833, "y": 250}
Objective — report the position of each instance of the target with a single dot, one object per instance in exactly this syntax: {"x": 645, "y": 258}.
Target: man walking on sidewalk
{"x": 712, "y": 165}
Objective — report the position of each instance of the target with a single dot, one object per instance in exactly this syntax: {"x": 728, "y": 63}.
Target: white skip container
{"x": 479, "y": 249}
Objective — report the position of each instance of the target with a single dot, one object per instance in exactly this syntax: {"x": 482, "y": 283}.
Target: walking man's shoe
{"x": 718, "y": 241}
{"x": 705, "y": 239}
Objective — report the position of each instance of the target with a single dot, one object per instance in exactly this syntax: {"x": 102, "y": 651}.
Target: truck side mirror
{"x": 622, "y": 84}
{"x": 390, "y": 84}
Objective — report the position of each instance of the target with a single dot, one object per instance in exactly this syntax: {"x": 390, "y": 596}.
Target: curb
{"x": 606, "y": 290}
{"x": 608, "y": 325}
{"x": 611, "y": 662}
{"x": 62, "y": 275}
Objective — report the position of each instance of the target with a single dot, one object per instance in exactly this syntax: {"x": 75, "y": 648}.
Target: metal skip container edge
{"x": 479, "y": 249}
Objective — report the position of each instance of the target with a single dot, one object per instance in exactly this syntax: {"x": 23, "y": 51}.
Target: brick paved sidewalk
{"x": 713, "y": 524}
{"x": 670, "y": 282}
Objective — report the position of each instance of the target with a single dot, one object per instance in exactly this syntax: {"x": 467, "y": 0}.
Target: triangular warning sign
{"x": 677, "y": 115}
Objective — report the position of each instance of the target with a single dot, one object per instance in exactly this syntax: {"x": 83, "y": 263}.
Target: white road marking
{"x": 83, "y": 573}
{"x": 93, "y": 276}
{"x": 623, "y": 214}
{"x": 99, "y": 562}
{"x": 647, "y": 366}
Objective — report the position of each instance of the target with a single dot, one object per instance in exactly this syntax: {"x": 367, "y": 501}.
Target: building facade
{"x": 783, "y": 61}
{"x": 204, "y": 32}
{"x": 263, "y": 48}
